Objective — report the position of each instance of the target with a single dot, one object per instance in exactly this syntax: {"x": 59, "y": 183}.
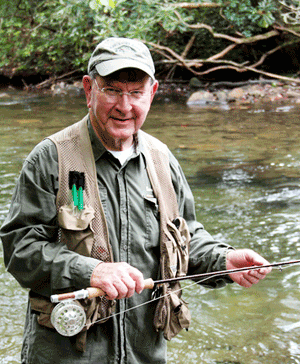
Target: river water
{"x": 243, "y": 167}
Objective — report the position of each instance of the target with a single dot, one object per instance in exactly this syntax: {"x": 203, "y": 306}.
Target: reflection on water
{"x": 243, "y": 167}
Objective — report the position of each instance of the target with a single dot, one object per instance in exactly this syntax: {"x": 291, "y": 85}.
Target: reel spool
{"x": 68, "y": 318}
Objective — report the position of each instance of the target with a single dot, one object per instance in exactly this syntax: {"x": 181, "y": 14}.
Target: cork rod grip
{"x": 90, "y": 292}
{"x": 97, "y": 292}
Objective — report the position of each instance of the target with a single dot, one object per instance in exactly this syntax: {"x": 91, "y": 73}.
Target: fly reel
{"x": 68, "y": 318}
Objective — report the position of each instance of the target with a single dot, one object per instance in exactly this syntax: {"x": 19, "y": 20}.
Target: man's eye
{"x": 111, "y": 91}
{"x": 136, "y": 93}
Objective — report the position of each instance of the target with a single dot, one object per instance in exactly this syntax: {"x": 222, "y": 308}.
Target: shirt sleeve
{"x": 206, "y": 254}
{"x": 33, "y": 253}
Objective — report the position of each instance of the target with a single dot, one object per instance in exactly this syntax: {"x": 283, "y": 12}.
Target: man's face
{"x": 116, "y": 121}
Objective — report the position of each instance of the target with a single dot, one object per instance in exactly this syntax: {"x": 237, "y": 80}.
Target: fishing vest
{"x": 87, "y": 233}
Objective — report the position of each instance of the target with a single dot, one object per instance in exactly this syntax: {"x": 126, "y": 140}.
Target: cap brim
{"x": 107, "y": 67}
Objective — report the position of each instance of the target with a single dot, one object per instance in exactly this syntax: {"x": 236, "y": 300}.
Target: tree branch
{"x": 193, "y": 65}
{"x": 174, "y": 54}
{"x": 264, "y": 56}
{"x": 222, "y": 53}
{"x": 51, "y": 80}
{"x": 248, "y": 40}
{"x": 188, "y": 46}
{"x": 287, "y": 30}
{"x": 196, "y": 5}
{"x": 273, "y": 75}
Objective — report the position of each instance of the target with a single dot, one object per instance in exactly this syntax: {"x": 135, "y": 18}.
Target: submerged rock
{"x": 236, "y": 93}
{"x": 263, "y": 91}
{"x": 201, "y": 98}
{"x": 63, "y": 88}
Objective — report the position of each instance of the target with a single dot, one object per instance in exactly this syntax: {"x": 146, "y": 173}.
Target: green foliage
{"x": 46, "y": 37}
{"x": 147, "y": 20}
{"x": 248, "y": 16}
{"x": 51, "y": 37}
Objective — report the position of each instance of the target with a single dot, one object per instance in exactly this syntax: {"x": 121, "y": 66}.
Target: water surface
{"x": 243, "y": 168}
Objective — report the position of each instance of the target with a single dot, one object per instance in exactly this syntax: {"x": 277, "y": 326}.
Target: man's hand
{"x": 117, "y": 280}
{"x": 246, "y": 258}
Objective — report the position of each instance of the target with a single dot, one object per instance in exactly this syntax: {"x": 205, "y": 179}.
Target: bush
{"x": 53, "y": 37}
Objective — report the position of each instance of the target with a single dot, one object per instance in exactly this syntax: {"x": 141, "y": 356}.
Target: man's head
{"x": 114, "y": 54}
{"x": 119, "y": 89}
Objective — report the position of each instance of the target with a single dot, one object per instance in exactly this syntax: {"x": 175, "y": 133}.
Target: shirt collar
{"x": 99, "y": 149}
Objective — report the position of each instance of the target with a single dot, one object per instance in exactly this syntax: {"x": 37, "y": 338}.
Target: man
{"x": 125, "y": 224}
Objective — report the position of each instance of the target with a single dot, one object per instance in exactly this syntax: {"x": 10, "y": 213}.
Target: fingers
{"x": 242, "y": 258}
{"x": 117, "y": 280}
{"x": 248, "y": 278}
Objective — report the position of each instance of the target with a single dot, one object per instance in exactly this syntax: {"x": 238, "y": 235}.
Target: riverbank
{"x": 206, "y": 95}
{"x": 196, "y": 94}
{"x": 229, "y": 93}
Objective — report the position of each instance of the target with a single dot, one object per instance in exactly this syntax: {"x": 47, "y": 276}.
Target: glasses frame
{"x": 120, "y": 93}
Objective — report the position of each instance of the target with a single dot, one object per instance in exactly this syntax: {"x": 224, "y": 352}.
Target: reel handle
{"x": 91, "y": 292}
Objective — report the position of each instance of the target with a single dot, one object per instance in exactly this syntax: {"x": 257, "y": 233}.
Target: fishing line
{"x": 147, "y": 302}
{"x": 158, "y": 298}
{"x": 279, "y": 267}
{"x": 68, "y": 317}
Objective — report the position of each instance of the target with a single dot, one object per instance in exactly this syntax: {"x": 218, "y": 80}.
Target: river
{"x": 243, "y": 167}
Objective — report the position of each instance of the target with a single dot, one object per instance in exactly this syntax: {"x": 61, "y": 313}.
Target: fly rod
{"x": 92, "y": 292}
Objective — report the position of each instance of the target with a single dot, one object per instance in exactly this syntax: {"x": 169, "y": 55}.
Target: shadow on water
{"x": 243, "y": 168}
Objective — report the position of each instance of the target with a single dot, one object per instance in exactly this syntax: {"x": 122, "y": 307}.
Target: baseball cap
{"x": 114, "y": 53}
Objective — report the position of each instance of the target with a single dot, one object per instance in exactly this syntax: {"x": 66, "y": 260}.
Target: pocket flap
{"x": 68, "y": 221}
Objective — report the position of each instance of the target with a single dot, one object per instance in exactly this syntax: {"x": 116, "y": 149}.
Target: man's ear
{"x": 154, "y": 89}
{"x": 87, "y": 85}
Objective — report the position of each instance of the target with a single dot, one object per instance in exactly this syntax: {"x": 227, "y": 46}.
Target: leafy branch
{"x": 55, "y": 37}
{"x": 215, "y": 62}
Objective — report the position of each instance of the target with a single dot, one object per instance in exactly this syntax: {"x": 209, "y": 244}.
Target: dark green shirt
{"x": 34, "y": 256}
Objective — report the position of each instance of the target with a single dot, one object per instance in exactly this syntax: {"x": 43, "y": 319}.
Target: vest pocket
{"x": 172, "y": 313}
{"x": 151, "y": 222}
{"x": 77, "y": 232}
{"x": 178, "y": 248}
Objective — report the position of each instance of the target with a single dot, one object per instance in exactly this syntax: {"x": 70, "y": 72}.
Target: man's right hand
{"x": 117, "y": 280}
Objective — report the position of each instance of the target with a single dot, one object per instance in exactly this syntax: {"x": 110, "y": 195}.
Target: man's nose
{"x": 124, "y": 104}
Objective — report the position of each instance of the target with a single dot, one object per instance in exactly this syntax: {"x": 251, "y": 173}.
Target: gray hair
{"x": 93, "y": 74}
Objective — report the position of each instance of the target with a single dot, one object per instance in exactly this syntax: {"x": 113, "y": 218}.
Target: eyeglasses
{"x": 113, "y": 94}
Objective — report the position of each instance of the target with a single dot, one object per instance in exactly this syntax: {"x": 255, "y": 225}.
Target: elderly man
{"x": 104, "y": 204}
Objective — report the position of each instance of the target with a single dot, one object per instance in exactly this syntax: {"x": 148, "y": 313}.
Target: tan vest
{"x": 87, "y": 234}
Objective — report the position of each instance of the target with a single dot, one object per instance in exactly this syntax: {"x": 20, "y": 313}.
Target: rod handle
{"x": 149, "y": 283}
{"x": 91, "y": 292}
{"x": 97, "y": 292}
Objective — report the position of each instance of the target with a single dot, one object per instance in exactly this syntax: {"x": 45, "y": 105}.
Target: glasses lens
{"x": 137, "y": 95}
{"x": 113, "y": 95}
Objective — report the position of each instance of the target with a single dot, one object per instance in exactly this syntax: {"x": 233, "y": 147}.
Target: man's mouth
{"x": 120, "y": 120}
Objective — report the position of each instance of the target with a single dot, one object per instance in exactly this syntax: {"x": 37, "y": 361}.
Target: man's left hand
{"x": 246, "y": 258}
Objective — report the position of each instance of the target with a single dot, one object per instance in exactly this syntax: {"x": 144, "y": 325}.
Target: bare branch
{"x": 292, "y": 14}
{"x": 217, "y": 69}
{"x": 197, "y": 63}
{"x": 174, "y": 54}
{"x": 287, "y": 30}
{"x": 248, "y": 40}
{"x": 265, "y": 55}
{"x": 196, "y": 5}
{"x": 222, "y": 54}
{"x": 240, "y": 70}
{"x": 188, "y": 46}
{"x": 217, "y": 61}
{"x": 51, "y": 80}
{"x": 273, "y": 75}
